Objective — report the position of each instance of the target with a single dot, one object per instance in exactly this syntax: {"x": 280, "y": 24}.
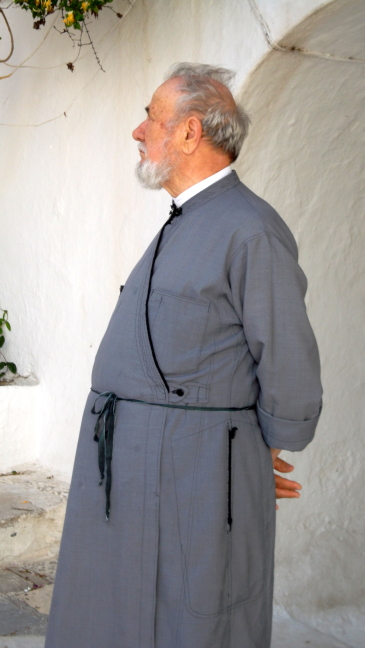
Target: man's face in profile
{"x": 156, "y": 141}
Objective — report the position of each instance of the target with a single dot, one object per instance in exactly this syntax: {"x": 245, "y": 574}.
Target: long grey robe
{"x": 229, "y": 329}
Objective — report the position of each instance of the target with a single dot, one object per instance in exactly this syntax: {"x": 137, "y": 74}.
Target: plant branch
{"x": 11, "y": 38}
{"x": 94, "y": 50}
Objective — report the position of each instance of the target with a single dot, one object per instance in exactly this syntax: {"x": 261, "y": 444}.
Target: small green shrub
{"x": 4, "y": 364}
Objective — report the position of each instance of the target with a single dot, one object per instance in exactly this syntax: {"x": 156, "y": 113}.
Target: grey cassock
{"x": 229, "y": 329}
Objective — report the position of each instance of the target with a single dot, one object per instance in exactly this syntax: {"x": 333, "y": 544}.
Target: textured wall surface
{"x": 19, "y": 418}
{"x": 305, "y": 155}
{"x": 75, "y": 221}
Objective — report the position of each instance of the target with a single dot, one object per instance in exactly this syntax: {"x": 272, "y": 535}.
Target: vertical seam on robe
{"x": 218, "y": 328}
{"x": 142, "y": 539}
{"x": 182, "y": 603}
{"x": 236, "y": 360}
{"x": 139, "y": 328}
{"x": 264, "y": 517}
{"x": 141, "y": 335}
{"x": 191, "y": 516}
{"x": 183, "y": 561}
{"x": 157, "y": 532}
{"x": 181, "y": 607}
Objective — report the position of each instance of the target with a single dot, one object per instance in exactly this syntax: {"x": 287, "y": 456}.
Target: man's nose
{"x": 138, "y": 133}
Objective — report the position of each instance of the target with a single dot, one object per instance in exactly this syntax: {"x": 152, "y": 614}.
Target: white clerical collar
{"x": 199, "y": 186}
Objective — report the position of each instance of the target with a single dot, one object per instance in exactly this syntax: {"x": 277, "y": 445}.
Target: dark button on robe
{"x": 229, "y": 328}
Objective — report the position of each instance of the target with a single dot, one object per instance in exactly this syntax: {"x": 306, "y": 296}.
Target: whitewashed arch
{"x": 305, "y": 155}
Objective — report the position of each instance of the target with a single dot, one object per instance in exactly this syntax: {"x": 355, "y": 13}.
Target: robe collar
{"x": 200, "y": 186}
{"x": 211, "y": 192}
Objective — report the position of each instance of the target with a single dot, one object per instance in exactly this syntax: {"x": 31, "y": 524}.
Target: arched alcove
{"x": 305, "y": 156}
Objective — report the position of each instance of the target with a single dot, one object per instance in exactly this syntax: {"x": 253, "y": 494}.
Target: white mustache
{"x": 142, "y": 147}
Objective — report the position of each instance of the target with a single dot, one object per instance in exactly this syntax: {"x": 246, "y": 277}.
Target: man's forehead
{"x": 163, "y": 99}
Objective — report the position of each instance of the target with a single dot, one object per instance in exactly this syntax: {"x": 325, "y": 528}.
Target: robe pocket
{"x": 177, "y": 328}
{"x": 222, "y": 568}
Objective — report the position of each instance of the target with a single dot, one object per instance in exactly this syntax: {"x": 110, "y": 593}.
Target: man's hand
{"x": 283, "y": 487}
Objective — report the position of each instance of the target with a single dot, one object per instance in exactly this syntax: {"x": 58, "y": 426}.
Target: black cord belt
{"x": 105, "y": 425}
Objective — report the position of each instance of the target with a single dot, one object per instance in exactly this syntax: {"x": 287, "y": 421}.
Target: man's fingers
{"x": 285, "y": 488}
{"x": 282, "y": 466}
{"x": 282, "y": 493}
{"x": 286, "y": 484}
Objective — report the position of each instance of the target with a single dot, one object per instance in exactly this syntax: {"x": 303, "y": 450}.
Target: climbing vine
{"x": 76, "y": 18}
{"x": 74, "y": 12}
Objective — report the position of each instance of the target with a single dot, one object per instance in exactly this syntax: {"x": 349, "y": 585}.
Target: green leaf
{"x": 2, "y": 340}
{"x": 2, "y": 374}
{"x": 12, "y": 367}
{"x": 3, "y": 364}
{"x": 8, "y": 326}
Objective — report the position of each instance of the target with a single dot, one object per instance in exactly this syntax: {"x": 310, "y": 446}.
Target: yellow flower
{"x": 69, "y": 20}
{"x": 48, "y": 5}
{"x": 84, "y": 6}
{"x": 37, "y": 2}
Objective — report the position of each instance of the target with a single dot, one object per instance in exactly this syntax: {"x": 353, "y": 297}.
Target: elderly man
{"x": 208, "y": 368}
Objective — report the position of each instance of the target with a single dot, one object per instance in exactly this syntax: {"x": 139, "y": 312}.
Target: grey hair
{"x": 224, "y": 123}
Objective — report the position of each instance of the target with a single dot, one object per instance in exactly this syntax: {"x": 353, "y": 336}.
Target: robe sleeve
{"x": 268, "y": 289}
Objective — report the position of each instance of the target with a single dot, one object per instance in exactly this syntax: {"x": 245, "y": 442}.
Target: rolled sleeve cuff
{"x": 285, "y": 434}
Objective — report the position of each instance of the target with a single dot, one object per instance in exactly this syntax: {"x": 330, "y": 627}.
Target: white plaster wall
{"x": 19, "y": 417}
{"x": 74, "y": 221}
{"x": 305, "y": 155}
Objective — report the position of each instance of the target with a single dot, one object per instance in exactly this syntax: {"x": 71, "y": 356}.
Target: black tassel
{"x": 231, "y": 436}
{"x": 104, "y": 435}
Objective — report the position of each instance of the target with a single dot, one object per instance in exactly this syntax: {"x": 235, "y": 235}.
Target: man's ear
{"x": 192, "y": 134}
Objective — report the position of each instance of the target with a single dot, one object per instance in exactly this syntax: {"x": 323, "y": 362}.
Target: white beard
{"x": 152, "y": 175}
